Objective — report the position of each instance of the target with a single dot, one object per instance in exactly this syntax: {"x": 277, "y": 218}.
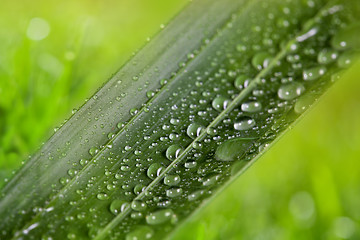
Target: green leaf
{"x": 192, "y": 110}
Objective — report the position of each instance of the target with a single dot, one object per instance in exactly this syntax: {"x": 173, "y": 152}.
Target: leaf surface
{"x": 192, "y": 110}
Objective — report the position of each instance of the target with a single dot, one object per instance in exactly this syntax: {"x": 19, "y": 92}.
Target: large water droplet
{"x": 172, "y": 180}
{"x": 159, "y": 217}
{"x": 140, "y": 233}
{"x": 190, "y": 164}
{"x": 102, "y": 196}
{"x": 154, "y": 170}
{"x": 314, "y": 73}
{"x": 347, "y": 38}
{"x": 261, "y": 60}
{"x": 327, "y": 56}
{"x": 220, "y": 103}
{"x": 303, "y": 103}
{"x": 346, "y": 59}
{"x": 174, "y": 192}
{"x": 240, "y": 81}
{"x": 233, "y": 149}
{"x": 118, "y": 206}
{"x": 211, "y": 180}
{"x": 251, "y": 107}
{"x": 194, "y": 130}
{"x": 173, "y": 152}
{"x": 195, "y": 195}
{"x": 244, "y": 123}
{"x": 139, "y": 206}
{"x": 290, "y": 91}
{"x": 139, "y": 188}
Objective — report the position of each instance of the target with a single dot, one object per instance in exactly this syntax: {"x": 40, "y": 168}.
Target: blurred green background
{"x": 54, "y": 54}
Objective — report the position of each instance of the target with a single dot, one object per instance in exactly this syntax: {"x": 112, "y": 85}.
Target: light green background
{"x": 305, "y": 187}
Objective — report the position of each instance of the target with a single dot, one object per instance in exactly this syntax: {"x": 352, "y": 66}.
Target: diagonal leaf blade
{"x": 256, "y": 71}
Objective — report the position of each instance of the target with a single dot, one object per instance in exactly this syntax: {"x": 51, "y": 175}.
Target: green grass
{"x": 40, "y": 83}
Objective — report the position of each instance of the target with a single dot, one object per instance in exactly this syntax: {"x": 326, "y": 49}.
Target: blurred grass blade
{"x": 190, "y": 111}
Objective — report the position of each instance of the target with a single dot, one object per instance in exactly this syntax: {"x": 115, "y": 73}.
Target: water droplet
{"x": 303, "y": 103}
{"x": 244, "y": 123}
{"x": 190, "y": 164}
{"x": 102, "y": 196}
{"x": 290, "y": 91}
{"x": 346, "y": 38}
{"x": 233, "y": 149}
{"x": 195, "y": 195}
{"x": 194, "y": 130}
{"x": 172, "y": 180}
{"x": 261, "y": 60}
{"x": 118, "y": 206}
{"x": 251, "y": 107}
{"x": 240, "y": 81}
{"x": 314, "y": 73}
{"x": 150, "y": 94}
{"x": 138, "y": 205}
{"x": 211, "y": 180}
{"x": 154, "y": 170}
{"x": 140, "y": 233}
{"x": 133, "y": 111}
{"x": 346, "y": 59}
{"x": 241, "y": 48}
{"x": 197, "y": 145}
{"x": 139, "y": 188}
{"x": 220, "y": 103}
{"x": 327, "y": 56}
{"x": 159, "y": 217}
{"x": 175, "y": 121}
{"x": 93, "y": 151}
{"x": 211, "y": 131}
{"x": 174, "y": 136}
{"x": 136, "y": 215}
{"x": 174, "y": 192}
{"x": 173, "y": 152}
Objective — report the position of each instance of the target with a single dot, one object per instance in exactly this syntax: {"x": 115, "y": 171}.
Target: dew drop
{"x": 138, "y": 205}
{"x": 346, "y": 59}
{"x": 174, "y": 192}
{"x": 261, "y": 60}
{"x": 190, "y": 164}
{"x": 240, "y": 81}
{"x": 303, "y": 103}
{"x": 314, "y": 73}
{"x": 290, "y": 91}
{"x": 118, "y": 206}
{"x": 136, "y": 215}
{"x": 173, "y": 152}
{"x": 244, "y": 123}
{"x": 140, "y": 233}
{"x": 195, "y": 195}
{"x": 154, "y": 170}
{"x": 220, "y": 103}
{"x": 174, "y": 136}
{"x": 159, "y": 217}
{"x": 211, "y": 131}
{"x": 211, "y": 180}
{"x": 172, "y": 180}
{"x": 139, "y": 188}
{"x": 233, "y": 149}
{"x": 93, "y": 151}
{"x": 346, "y": 38}
{"x": 102, "y": 196}
{"x": 327, "y": 56}
{"x": 251, "y": 107}
{"x": 174, "y": 121}
{"x": 194, "y": 130}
